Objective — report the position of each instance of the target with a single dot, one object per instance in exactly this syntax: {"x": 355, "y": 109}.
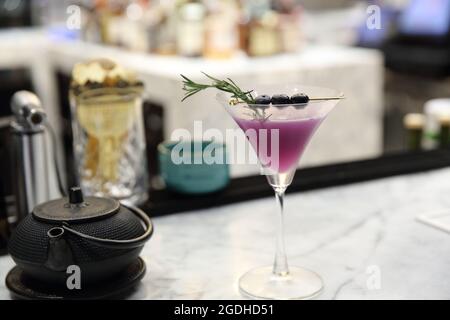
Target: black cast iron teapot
{"x": 99, "y": 235}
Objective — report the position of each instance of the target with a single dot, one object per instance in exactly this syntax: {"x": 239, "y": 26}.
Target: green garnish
{"x": 228, "y": 85}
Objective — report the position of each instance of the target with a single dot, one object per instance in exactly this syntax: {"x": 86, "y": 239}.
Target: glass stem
{"x": 280, "y": 266}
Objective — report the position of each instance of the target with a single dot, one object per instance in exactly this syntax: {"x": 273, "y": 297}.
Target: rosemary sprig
{"x": 190, "y": 87}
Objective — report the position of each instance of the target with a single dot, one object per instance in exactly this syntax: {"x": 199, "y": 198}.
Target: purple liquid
{"x": 293, "y": 135}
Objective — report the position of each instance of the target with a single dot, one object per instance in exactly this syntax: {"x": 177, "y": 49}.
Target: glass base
{"x": 262, "y": 283}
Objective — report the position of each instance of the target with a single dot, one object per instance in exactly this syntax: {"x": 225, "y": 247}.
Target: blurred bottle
{"x": 258, "y": 28}
{"x": 154, "y": 17}
{"x": 264, "y": 37}
{"x": 162, "y": 19}
{"x": 289, "y": 24}
{"x": 190, "y": 28}
{"x": 133, "y": 31}
{"x": 244, "y": 26}
{"x": 414, "y": 124}
{"x": 444, "y": 132}
{"x": 110, "y": 13}
{"x": 221, "y": 30}
{"x": 90, "y": 24}
{"x": 124, "y": 24}
{"x": 435, "y": 110}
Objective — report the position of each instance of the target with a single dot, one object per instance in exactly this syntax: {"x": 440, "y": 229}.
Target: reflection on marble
{"x": 348, "y": 234}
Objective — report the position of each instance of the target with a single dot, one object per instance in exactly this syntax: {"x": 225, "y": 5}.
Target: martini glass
{"x": 279, "y": 135}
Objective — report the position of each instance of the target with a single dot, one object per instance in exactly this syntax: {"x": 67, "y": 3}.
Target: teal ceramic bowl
{"x": 193, "y": 167}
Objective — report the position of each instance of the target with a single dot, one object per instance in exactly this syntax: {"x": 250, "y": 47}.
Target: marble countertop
{"x": 363, "y": 239}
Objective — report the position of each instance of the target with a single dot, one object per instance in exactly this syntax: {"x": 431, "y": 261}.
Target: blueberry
{"x": 262, "y": 99}
{"x": 300, "y": 98}
{"x": 281, "y": 99}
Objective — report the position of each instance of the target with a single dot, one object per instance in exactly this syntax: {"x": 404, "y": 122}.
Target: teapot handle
{"x": 118, "y": 244}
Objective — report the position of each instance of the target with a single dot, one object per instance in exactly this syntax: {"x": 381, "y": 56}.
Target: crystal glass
{"x": 279, "y": 135}
{"x": 109, "y": 143}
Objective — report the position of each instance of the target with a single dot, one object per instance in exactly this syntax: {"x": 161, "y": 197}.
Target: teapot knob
{"x": 76, "y": 195}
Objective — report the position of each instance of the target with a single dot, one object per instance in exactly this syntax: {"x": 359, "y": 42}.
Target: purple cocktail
{"x": 278, "y": 122}
{"x": 292, "y": 135}
{"x": 279, "y": 134}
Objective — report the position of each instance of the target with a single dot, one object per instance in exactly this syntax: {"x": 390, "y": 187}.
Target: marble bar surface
{"x": 363, "y": 239}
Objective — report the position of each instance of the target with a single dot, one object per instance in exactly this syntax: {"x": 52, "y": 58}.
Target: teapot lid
{"x": 76, "y": 208}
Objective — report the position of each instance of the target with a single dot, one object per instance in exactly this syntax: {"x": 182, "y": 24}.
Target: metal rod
{"x": 327, "y": 98}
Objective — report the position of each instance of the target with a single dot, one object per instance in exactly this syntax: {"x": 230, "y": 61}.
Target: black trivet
{"x": 22, "y": 286}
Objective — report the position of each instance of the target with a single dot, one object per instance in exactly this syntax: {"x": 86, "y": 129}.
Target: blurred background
{"x": 390, "y": 58}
